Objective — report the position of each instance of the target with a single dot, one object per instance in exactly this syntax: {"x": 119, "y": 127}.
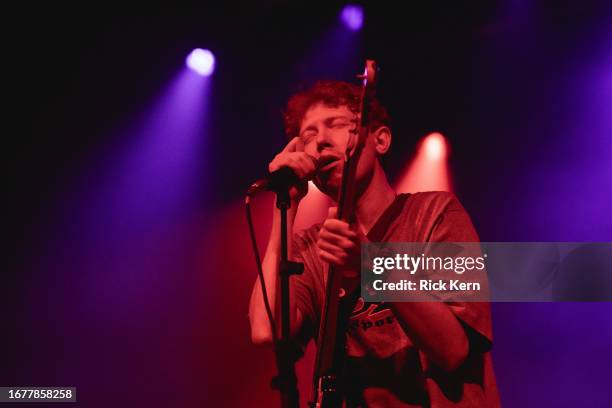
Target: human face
{"x": 326, "y": 132}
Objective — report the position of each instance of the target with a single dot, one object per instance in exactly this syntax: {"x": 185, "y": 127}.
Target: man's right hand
{"x": 302, "y": 164}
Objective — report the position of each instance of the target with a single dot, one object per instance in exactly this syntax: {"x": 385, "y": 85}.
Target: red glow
{"x": 428, "y": 170}
{"x": 313, "y": 208}
{"x": 228, "y": 273}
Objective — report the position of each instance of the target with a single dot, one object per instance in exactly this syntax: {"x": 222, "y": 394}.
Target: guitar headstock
{"x": 368, "y": 92}
{"x": 369, "y": 75}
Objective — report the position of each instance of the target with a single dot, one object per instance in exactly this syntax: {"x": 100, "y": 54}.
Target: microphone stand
{"x": 285, "y": 350}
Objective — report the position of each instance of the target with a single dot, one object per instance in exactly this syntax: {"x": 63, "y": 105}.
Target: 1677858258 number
{"x": 33, "y": 394}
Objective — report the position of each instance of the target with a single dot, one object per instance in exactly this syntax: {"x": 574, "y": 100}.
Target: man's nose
{"x": 323, "y": 140}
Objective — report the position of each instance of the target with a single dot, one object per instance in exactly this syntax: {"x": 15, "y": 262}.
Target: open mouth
{"x": 326, "y": 163}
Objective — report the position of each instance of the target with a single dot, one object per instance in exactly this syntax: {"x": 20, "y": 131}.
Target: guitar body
{"x": 329, "y": 383}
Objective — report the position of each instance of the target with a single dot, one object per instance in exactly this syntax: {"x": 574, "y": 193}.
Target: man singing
{"x": 399, "y": 354}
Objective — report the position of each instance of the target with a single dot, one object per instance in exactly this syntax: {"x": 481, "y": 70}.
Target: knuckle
{"x": 332, "y": 224}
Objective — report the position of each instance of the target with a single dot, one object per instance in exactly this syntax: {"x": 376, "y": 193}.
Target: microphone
{"x": 281, "y": 180}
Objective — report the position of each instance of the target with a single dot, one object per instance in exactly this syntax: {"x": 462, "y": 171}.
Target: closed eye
{"x": 308, "y": 135}
{"x": 338, "y": 122}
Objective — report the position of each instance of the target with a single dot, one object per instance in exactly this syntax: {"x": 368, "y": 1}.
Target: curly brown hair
{"x": 333, "y": 94}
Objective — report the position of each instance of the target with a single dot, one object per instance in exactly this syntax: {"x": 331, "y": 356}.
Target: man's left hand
{"x": 340, "y": 245}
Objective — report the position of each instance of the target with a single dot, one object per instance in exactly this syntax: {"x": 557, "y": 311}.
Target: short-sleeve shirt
{"x": 384, "y": 367}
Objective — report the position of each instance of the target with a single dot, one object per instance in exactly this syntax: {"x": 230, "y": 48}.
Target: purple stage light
{"x": 352, "y": 16}
{"x": 201, "y": 61}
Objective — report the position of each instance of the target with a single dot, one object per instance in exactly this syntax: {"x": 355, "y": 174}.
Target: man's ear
{"x": 382, "y": 140}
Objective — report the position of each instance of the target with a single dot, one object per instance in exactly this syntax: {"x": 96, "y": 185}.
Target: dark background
{"x": 152, "y": 312}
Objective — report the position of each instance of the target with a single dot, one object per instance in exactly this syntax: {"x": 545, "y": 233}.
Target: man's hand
{"x": 340, "y": 245}
{"x": 302, "y": 164}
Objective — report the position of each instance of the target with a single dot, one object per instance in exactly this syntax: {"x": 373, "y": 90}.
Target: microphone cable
{"x": 264, "y": 292}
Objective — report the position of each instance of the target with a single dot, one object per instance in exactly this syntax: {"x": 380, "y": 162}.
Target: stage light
{"x": 435, "y": 146}
{"x": 201, "y": 61}
{"x": 428, "y": 170}
{"x": 352, "y": 16}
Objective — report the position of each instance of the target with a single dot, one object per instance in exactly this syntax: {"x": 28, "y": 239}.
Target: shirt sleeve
{"x": 454, "y": 225}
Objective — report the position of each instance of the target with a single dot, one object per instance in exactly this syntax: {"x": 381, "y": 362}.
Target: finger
{"x": 308, "y": 163}
{"x": 337, "y": 240}
{"x": 337, "y": 251}
{"x": 340, "y": 228}
{"x": 297, "y": 161}
{"x": 329, "y": 258}
{"x": 301, "y": 164}
{"x": 292, "y": 145}
{"x": 332, "y": 212}
{"x": 315, "y": 162}
{"x": 280, "y": 160}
